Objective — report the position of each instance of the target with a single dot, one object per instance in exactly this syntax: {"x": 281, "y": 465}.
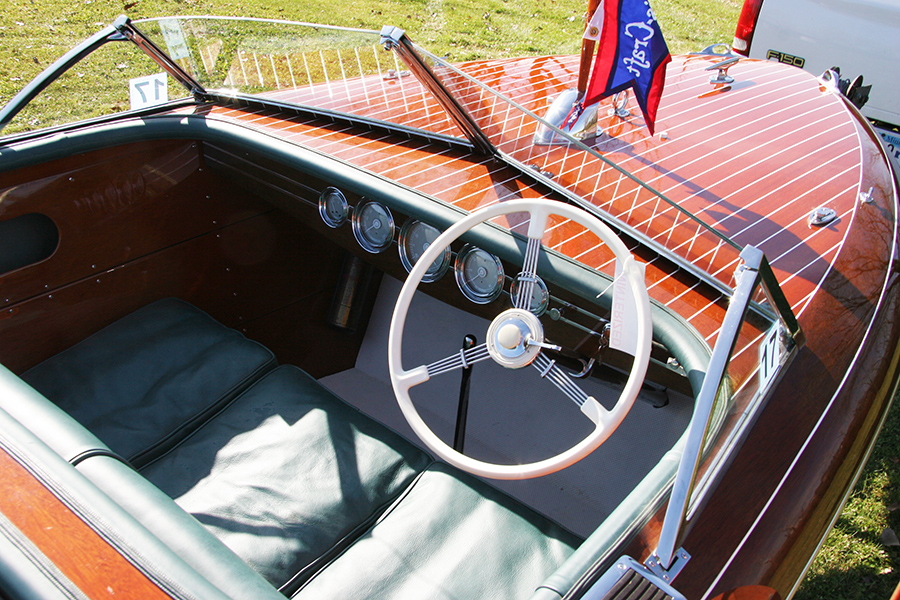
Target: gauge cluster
{"x": 478, "y": 273}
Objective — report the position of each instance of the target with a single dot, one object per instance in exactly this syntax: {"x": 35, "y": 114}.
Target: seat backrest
{"x": 141, "y": 523}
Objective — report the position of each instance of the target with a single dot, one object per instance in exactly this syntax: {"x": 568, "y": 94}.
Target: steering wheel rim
{"x": 605, "y": 421}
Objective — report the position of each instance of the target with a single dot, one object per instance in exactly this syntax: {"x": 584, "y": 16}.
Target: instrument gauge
{"x": 479, "y": 274}
{"x": 333, "y": 207}
{"x": 373, "y": 226}
{"x": 540, "y": 296}
{"x": 415, "y": 238}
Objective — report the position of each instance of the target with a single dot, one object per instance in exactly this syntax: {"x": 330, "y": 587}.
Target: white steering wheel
{"x": 515, "y": 338}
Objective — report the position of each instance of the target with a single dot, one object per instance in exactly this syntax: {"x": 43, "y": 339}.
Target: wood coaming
{"x": 80, "y": 553}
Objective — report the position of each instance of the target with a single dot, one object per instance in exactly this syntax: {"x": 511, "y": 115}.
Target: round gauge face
{"x": 373, "y": 226}
{"x": 540, "y": 296}
{"x": 479, "y": 274}
{"x": 415, "y": 239}
{"x": 333, "y": 207}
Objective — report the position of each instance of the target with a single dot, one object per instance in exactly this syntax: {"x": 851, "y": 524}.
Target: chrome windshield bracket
{"x": 747, "y": 277}
{"x": 395, "y": 39}
{"x": 125, "y": 27}
{"x": 628, "y": 579}
{"x": 391, "y": 36}
{"x": 680, "y": 559}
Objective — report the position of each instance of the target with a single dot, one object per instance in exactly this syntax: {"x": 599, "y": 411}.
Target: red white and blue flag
{"x": 632, "y": 54}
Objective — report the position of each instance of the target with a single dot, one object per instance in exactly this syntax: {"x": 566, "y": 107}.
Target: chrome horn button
{"x": 509, "y": 335}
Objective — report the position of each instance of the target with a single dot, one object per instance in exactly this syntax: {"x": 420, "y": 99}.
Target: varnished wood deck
{"x": 732, "y": 157}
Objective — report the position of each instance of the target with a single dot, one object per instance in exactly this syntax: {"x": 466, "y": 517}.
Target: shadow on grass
{"x": 855, "y": 563}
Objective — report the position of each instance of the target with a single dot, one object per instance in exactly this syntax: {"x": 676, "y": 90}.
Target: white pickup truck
{"x": 861, "y": 37}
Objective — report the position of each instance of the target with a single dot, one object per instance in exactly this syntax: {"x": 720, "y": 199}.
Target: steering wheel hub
{"x": 509, "y": 335}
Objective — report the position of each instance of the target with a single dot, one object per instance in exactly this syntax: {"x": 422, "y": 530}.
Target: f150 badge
{"x": 784, "y": 57}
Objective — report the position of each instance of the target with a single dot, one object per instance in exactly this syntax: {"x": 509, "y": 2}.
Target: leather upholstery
{"x": 180, "y": 532}
{"x": 449, "y": 537}
{"x": 53, "y": 426}
{"x": 319, "y": 499}
{"x": 118, "y": 528}
{"x": 148, "y": 379}
{"x": 286, "y": 472}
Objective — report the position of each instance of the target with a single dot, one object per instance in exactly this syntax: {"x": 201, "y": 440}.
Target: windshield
{"x": 349, "y": 72}
{"x": 333, "y": 69}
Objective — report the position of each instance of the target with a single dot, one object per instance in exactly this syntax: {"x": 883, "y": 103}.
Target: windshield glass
{"x": 333, "y": 69}
{"x": 348, "y": 71}
{"x": 110, "y": 79}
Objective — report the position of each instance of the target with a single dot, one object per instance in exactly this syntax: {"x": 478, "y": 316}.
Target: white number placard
{"x": 769, "y": 356}
{"x": 148, "y": 91}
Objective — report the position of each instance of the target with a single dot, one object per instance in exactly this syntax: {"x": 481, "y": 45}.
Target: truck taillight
{"x": 743, "y": 35}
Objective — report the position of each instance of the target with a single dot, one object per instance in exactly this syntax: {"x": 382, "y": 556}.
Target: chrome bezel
{"x": 323, "y": 207}
{"x": 368, "y": 244}
{"x": 472, "y": 294}
{"x": 432, "y": 274}
{"x": 540, "y": 290}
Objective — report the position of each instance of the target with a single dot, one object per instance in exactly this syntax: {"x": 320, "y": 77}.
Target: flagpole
{"x": 587, "y": 51}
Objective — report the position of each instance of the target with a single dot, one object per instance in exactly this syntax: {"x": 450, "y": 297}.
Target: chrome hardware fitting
{"x": 711, "y": 51}
{"x": 680, "y": 559}
{"x": 393, "y": 74}
{"x": 619, "y": 102}
{"x": 722, "y": 77}
{"x": 866, "y": 197}
{"x": 567, "y": 114}
{"x": 630, "y": 579}
{"x": 822, "y": 216}
{"x": 391, "y": 36}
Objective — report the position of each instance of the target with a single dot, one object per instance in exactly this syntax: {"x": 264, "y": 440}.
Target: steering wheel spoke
{"x": 526, "y": 278}
{"x": 460, "y": 360}
{"x": 552, "y": 373}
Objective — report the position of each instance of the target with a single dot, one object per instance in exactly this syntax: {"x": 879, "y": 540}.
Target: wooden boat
{"x": 717, "y": 300}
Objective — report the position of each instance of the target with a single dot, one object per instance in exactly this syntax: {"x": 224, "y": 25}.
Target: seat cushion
{"x": 450, "y": 537}
{"x": 149, "y": 379}
{"x": 287, "y": 475}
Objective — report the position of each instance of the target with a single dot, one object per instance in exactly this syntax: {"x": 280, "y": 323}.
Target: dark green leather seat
{"x": 287, "y": 474}
{"x": 319, "y": 499}
{"x": 449, "y": 537}
{"x": 147, "y": 380}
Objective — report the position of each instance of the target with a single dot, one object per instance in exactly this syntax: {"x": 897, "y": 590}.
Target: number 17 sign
{"x": 148, "y": 91}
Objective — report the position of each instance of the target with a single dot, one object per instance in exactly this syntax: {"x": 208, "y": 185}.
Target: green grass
{"x": 854, "y": 563}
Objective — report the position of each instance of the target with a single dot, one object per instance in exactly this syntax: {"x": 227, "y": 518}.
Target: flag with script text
{"x": 632, "y": 54}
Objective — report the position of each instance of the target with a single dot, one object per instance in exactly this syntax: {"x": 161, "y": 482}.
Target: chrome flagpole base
{"x": 567, "y": 114}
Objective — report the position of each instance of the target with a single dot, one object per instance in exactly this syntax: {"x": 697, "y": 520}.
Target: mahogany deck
{"x": 729, "y": 156}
